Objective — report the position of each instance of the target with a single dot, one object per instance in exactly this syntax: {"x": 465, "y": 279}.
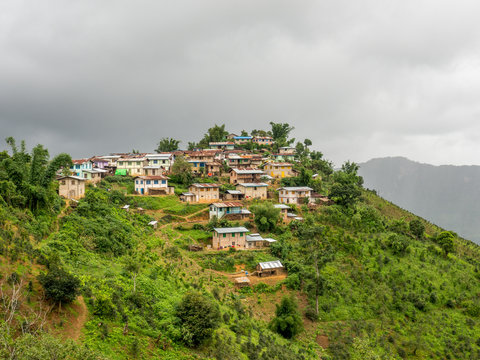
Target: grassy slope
{"x": 417, "y": 305}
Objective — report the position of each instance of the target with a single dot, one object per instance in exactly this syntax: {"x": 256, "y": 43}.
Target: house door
{"x": 71, "y": 194}
{"x": 283, "y": 174}
{"x": 142, "y": 191}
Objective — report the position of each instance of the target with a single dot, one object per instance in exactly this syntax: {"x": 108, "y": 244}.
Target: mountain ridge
{"x": 447, "y": 195}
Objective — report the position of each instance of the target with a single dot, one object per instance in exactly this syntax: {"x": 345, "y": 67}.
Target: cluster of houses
{"x": 249, "y": 172}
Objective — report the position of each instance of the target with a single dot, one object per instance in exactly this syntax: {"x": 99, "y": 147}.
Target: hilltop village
{"x": 225, "y": 174}
{"x": 243, "y": 246}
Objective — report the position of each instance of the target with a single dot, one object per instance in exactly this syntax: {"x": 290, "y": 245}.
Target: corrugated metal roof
{"x": 228, "y": 204}
{"x": 281, "y": 206}
{"x": 248, "y": 171}
{"x": 296, "y": 188}
{"x": 230, "y": 230}
{"x": 234, "y": 192}
{"x": 206, "y": 185}
{"x": 270, "y": 265}
{"x": 252, "y": 184}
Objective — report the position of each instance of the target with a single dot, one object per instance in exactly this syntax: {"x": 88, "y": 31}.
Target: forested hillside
{"x": 446, "y": 195}
{"x": 91, "y": 280}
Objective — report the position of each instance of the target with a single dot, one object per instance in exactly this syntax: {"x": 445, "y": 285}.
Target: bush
{"x": 287, "y": 321}
{"x": 59, "y": 285}
{"x": 199, "y": 317}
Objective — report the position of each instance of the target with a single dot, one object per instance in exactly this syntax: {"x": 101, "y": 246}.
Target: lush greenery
{"x": 366, "y": 279}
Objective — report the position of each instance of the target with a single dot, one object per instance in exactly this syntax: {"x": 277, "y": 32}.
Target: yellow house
{"x": 279, "y": 170}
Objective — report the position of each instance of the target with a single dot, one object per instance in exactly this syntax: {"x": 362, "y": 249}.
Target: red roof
{"x": 153, "y": 177}
{"x": 81, "y": 161}
{"x": 228, "y": 204}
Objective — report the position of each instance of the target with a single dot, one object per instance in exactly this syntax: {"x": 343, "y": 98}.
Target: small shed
{"x": 140, "y": 210}
{"x": 242, "y": 281}
{"x": 126, "y": 208}
{"x": 188, "y": 197}
{"x": 153, "y": 224}
{"x": 269, "y": 268}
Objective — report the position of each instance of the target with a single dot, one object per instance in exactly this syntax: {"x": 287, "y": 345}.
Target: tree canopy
{"x": 167, "y": 144}
{"x": 199, "y": 317}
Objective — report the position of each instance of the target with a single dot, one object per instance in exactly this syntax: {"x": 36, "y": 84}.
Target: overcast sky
{"x": 361, "y": 79}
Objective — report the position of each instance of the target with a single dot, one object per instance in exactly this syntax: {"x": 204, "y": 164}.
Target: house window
{"x": 155, "y": 161}
{"x": 63, "y": 182}
{"x": 148, "y": 182}
{"x": 155, "y": 182}
{"x": 164, "y": 181}
{"x": 224, "y": 235}
{"x": 77, "y": 166}
{"x": 141, "y": 182}
{"x": 136, "y": 181}
{"x": 73, "y": 182}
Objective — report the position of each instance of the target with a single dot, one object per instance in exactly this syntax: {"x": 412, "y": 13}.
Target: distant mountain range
{"x": 447, "y": 195}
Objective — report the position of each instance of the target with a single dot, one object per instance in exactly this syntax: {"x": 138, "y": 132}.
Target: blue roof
{"x": 242, "y": 137}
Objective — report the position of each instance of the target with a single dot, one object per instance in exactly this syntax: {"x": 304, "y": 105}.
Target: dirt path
{"x": 74, "y": 330}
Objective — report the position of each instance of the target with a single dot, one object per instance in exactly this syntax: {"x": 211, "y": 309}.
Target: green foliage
{"x": 287, "y": 321}
{"x": 214, "y": 134}
{"x": 446, "y": 240}
{"x": 266, "y": 216}
{"x": 181, "y": 171}
{"x": 59, "y": 285}
{"x": 167, "y": 144}
{"x": 199, "y": 316}
{"x": 280, "y": 134}
{"x": 41, "y": 346}
{"x": 417, "y": 228}
{"x": 27, "y": 179}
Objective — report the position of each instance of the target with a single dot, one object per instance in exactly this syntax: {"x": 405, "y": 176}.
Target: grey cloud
{"x": 361, "y": 79}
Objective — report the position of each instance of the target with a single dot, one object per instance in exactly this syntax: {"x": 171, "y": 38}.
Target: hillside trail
{"x": 74, "y": 328}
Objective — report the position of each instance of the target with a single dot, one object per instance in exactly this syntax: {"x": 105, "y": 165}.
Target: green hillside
{"x": 369, "y": 281}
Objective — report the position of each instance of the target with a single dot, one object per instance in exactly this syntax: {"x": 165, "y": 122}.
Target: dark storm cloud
{"x": 361, "y": 79}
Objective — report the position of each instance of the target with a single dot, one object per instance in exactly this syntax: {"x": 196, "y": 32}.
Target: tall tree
{"x": 167, "y": 144}
{"x": 32, "y": 174}
{"x": 181, "y": 171}
{"x": 317, "y": 252}
{"x": 214, "y": 134}
{"x": 281, "y": 132}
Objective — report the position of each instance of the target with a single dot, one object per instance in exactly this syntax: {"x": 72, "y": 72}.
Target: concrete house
{"x": 263, "y": 140}
{"x": 157, "y": 164}
{"x": 255, "y": 241}
{"x": 99, "y": 162}
{"x": 230, "y": 210}
{"x": 222, "y": 145}
{"x": 283, "y": 157}
{"x": 284, "y": 209}
{"x": 152, "y": 185}
{"x": 238, "y": 161}
{"x": 80, "y": 165}
{"x": 229, "y": 237}
{"x": 233, "y": 195}
{"x": 213, "y": 168}
{"x": 253, "y": 190}
{"x": 71, "y": 187}
{"x": 240, "y": 140}
{"x": 94, "y": 176}
{"x": 294, "y": 194}
{"x": 287, "y": 150}
{"x": 279, "y": 169}
{"x": 205, "y": 192}
{"x": 133, "y": 166}
{"x": 245, "y": 175}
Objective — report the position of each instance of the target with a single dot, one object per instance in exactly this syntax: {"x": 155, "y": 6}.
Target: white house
{"x": 294, "y": 194}
{"x": 152, "y": 185}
